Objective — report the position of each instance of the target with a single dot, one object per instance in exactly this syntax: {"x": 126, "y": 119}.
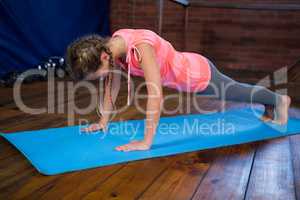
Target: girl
{"x": 144, "y": 53}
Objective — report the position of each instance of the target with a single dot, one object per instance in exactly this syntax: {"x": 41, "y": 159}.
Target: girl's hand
{"x": 134, "y": 146}
{"x": 94, "y": 127}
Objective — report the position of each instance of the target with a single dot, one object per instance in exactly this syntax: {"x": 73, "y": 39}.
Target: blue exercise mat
{"x": 59, "y": 150}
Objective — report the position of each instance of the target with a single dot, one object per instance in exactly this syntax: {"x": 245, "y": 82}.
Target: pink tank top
{"x": 183, "y": 71}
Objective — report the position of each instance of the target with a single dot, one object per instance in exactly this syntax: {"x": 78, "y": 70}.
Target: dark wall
{"x": 258, "y": 38}
{"x": 32, "y": 31}
{"x": 133, "y": 14}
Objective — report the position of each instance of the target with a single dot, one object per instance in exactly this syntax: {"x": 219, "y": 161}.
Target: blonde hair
{"x": 83, "y": 58}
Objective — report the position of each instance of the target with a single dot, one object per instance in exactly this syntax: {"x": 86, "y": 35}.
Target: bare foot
{"x": 281, "y": 110}
{"x": 268, "y": 114}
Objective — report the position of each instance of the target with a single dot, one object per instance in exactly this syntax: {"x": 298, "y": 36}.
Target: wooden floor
{"x": 262, "y": 170}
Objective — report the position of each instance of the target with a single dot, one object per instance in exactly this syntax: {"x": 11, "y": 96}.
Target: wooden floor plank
{"x": 6, "y": 150}
{"x": 64, "y": 185}
{"x": 13, "y": 173}
{"x": 272, "y": 173}
{"x": 180, "y": 179}
{"x": 228, "y": 175}
{"x": 27, "y": 91}
{"x": 295, "y": 153}
{"x": 295, "y": 156}
{"x": 132, "y": 180}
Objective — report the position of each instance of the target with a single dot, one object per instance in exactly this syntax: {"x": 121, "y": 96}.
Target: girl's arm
{"x": 110, "y": 96}
{"x": 105, "y": 107}
{"x": 154, "y": 89}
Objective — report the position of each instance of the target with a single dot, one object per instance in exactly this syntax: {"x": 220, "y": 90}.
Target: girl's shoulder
{"x": 136, "y": 33}
{"x": 136, "y": 36}
{"x": 131, "y": 30}
{"x": 123, "y": 31}
{"x": 126, "y": 34}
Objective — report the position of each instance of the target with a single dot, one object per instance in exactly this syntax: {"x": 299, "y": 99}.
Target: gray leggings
{"x": 226, "y": 88}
